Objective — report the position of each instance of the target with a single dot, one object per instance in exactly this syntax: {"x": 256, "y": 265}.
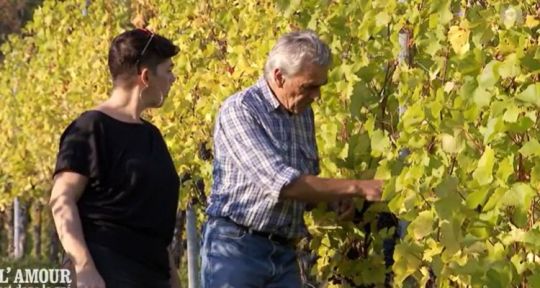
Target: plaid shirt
{"x": 258, "y": 149}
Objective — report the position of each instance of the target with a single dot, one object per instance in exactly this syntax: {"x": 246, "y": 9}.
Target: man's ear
{"x": 279, "y": 78}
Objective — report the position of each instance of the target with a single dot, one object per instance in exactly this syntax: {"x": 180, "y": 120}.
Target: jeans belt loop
{"x": 270, "y": 236}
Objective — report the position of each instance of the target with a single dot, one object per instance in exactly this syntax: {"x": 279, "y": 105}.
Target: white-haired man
{"x": 265, "y": 169}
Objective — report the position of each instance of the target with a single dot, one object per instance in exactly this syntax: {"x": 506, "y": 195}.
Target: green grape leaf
{"x": 484, "y": 170}
{"x": 379, "y": 143}
{"x": 531, "y": 94}
{"x": 531, "y": 148}
{"x": 422, "y": 225}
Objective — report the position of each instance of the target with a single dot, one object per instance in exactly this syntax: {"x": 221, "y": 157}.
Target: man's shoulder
{"x": 249, "y": 99}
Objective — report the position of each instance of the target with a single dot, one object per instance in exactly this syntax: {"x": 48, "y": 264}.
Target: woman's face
{"x": 160, "y": 83}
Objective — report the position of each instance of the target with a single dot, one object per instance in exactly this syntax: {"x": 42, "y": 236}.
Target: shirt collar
{"x": 268, "y": 95}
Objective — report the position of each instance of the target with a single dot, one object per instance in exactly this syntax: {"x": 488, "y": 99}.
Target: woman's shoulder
{"x": 97, "y": 116}
{"x": 151, "y": 127}
{"x": 91, "y": 116}
{"x": 89, "y": 119}
{"x": 100, "y": 121}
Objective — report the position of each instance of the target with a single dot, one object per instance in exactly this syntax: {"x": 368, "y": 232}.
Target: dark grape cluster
{"x": 204, "y": 153}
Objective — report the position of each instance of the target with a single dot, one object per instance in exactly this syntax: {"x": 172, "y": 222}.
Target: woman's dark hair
{"x": 133, "y": 49}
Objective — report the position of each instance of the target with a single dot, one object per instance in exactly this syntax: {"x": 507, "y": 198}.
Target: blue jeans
{"x": 234, "y": 258}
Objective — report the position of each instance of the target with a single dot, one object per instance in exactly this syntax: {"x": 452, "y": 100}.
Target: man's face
{"x": 302, "y": 89}
{"x": 161, "y": 82}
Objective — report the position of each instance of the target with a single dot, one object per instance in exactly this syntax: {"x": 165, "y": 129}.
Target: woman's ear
{"x": 144, "y": 76}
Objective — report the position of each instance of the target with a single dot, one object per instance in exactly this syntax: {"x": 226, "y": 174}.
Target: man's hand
{"x": 371, "y": 190}
{"x": 88, "y": 277}
{"x": 344, "y": 208}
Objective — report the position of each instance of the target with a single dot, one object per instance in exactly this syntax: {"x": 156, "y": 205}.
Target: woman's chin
{"x": 161, "y": 101}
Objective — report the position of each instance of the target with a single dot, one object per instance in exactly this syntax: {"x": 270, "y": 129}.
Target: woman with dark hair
{"x": 115, "y": 191}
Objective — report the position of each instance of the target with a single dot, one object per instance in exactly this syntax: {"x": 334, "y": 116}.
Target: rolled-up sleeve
{"x": 250, "y": 147}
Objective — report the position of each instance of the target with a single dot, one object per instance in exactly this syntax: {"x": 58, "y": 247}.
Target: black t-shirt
{"x": 129, "y": 204}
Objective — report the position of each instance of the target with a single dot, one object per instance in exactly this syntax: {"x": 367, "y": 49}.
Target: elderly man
{"x": 265, "y": 171}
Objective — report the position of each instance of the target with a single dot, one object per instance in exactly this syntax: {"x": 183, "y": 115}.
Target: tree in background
{"x": 13, "y": 15}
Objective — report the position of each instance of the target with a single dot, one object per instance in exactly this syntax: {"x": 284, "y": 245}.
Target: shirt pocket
{"x": 282, "y": 146}
{"x": 310, "y": 160}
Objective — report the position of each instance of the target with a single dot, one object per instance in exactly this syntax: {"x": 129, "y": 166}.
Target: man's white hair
{"x": 295, "y": 49}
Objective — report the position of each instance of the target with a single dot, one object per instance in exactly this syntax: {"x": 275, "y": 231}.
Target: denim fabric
{"x": 232, "y": 257}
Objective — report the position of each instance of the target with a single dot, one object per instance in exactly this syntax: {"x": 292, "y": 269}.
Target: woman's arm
{"x": 67, "y": 189}
{"x": 174, "y": 280}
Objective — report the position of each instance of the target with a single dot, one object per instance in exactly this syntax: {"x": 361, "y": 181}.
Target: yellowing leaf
{"x": 481, "y": 97}
{"x": 531, "y": 94}
{"x": 422, "y": 225}
{"x": 449, "y": 86}
{"x": 382, "y": 19}
{"x": 494, "y": 127}
{"x": 484, "y": 171}
{"x": 531, "y": 21}
{"x": 511, "y": 114}
{"x": 379, "y": 143}
{"x": 434, "y": 249}
{"x": 459, "y": 39}
{"x": 477, "y": 197}
{"x": 509, "y": 17}
{"x": 510, "y": 66}
{"x": 407, "y": 260}
{"x": 383, "y": 171}
{"x": 506, "y": 168}
{"x": 530, "y": 148}
{"x": 490, "y": 75}
{"x": 520, "y": 195}
{"x": 449, "y": 143}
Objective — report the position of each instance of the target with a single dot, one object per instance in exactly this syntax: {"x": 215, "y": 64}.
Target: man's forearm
{"x": 313, "y": 189}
